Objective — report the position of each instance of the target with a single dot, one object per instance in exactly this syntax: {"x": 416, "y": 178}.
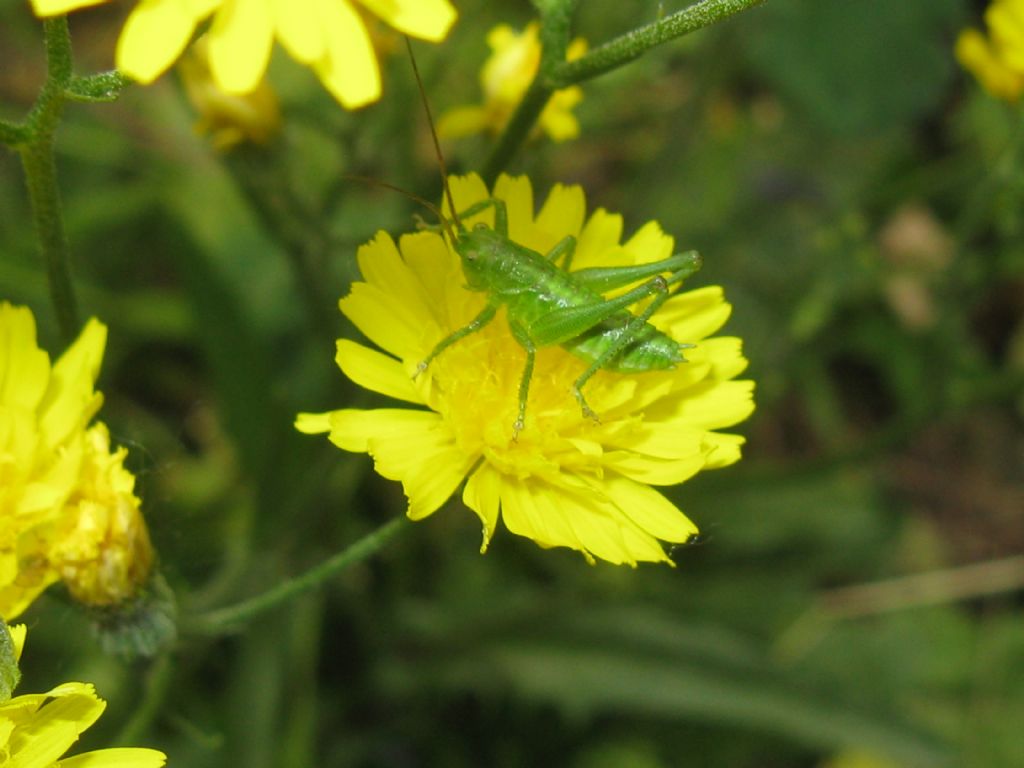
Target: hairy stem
{"x": 37, "y": 159}
{"x": 555, "y": 72}
{"x": 632, "y": 45}
{"x": 226, "y": 619}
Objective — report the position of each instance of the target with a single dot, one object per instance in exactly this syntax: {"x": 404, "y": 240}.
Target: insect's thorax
{"x": 530, "y": 287}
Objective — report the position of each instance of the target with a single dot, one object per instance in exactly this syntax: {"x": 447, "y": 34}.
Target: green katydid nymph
{"x": 546, "y": 303}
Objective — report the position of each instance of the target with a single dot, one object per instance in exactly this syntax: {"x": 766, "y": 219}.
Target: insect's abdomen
{"x": 531, "y": 287}
{"x": 650, "y": 350}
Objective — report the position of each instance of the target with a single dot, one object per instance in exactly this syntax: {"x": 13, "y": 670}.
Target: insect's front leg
{"x": 564, "y": 249}
{"x": 474, "y": 325}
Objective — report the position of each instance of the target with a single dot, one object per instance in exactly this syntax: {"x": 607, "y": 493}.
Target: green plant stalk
{"x": 156, "y": 687}
{"x": 556, "y": 73}
{"x": 227, "y": 619}
{"x": 37, "y": 160}
{"x": 632, "y": 45}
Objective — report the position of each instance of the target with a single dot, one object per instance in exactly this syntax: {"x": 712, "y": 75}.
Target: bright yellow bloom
{"x": 37, "y": 728}
{"x": 505, "y": 77}
{"x": 997, "y": 61}
{"x": 67, "y": 505}
{"x": 564, "y": 480}
{"x": 327, "y": 35}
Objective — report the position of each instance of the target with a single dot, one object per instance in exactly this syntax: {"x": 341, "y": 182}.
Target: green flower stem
{"x": 156, "y": 687}
{"x": 226, "y": 619}
{"x": 37, "y": 160}
{"x": 632, "y": 45}
{"x": 555, "y": 20}
{"x": 556, "y": 72}
{"x": 12, "y": 134}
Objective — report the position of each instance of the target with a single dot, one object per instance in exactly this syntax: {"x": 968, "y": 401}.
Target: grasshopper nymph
{"x": 547, "y": 304}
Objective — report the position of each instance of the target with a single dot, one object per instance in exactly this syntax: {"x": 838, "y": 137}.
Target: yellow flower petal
{"x": 117, "y": 757}
{"x": 600, "y": 234}
{"x": 57, "y": 7}
{"x": 301, "y": 33}
{"x": 529, "y": 509}
{"x": 376, "y": 372}
{"x": 652, "y": 512}
{"x": 155, "y": 34}
{"x": 713, "y": 406}
{"x": 650, "y": 243}
{"x": 462, "y": 121}
{"x": 518, "y": 196}
{"x": 353, "y": 429}
{"x": 24, "y": 368}
{"x": 426, "y": 19}
{"x": 414, "y": 447}
{"x": 694, "y": 315}
{"x": 725, "y": 355}
{"x": 313, "y": 423}
{"x": 51, "y": 722}
{"x": 240, "y": 41}
{"x": 724, "y": 449}
{"x": 482, "y": 494}
{"x": 562, "y": 214}
{"x": 349, "y": 66}
{"x": 70, "y": 401}
{"x": 18, "y": 633}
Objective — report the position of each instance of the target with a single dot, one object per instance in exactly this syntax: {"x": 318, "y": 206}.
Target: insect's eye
{"x": 480, "y": 225}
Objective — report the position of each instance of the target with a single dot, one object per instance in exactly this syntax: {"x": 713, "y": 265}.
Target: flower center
{"x": 477, "y": 391}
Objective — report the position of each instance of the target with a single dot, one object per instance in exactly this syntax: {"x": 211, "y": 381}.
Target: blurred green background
{"x": 859, "y": 198}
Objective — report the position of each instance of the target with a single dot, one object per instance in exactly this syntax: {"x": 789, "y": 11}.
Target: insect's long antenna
{"x": 445, "y": 224}
{"x": 433, "y": 135}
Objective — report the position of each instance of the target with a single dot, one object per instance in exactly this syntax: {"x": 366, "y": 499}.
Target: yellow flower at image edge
{"x": 37, "y": 728}
{"x": 564, "y": 480}
{"x": 997, "y": 61}
{"x": 328, "y": 36}
{"x": 505, "y": 78}
{"x": 68, "y": 511}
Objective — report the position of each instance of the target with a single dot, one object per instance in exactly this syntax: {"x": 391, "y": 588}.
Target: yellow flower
{"x": 67, "y": 505}
{"x": 37, "y": 728}
{"x": 564, "y": 480}
{"x": 505, "y": 77}
{"x": 327, "y": 35}
{"x": 997, "y": 61}
{"x": 101, "y": 546}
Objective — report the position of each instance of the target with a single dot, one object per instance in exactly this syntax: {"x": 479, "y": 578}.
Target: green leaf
{"x": 9, "y": 673}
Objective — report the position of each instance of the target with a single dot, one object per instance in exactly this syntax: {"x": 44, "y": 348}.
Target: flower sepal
{"x": 143, "y": 626}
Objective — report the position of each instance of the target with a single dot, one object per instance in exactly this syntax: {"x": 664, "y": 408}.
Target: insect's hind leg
{"x": 473, "y": 326}
{"x": 658, "y": 285}
{"x": 601, "y": 279}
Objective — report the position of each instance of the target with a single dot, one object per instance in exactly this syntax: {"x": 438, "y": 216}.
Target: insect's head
{"x": 479, "y": 249}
